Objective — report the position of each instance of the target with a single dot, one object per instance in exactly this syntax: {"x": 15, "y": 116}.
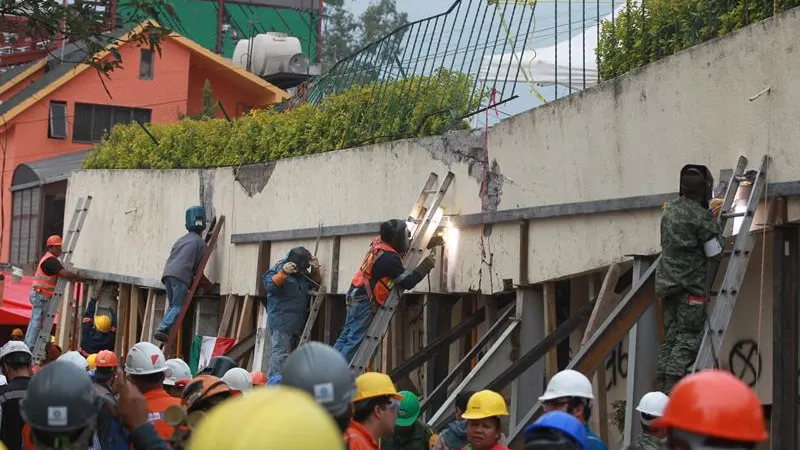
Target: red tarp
{"x": 16, "y": 309}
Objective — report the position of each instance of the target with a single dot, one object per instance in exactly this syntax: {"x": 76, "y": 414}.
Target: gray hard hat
{"x": 60, "y": 399}
{"x": 322, "y": 372}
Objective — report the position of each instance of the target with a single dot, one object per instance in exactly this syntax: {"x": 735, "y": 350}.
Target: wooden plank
{"x": 147, "y": 320}
{"x": 607, "y": 300}
{"x": 602, "y": 403}
{"x": 550, "y": 325}
{"x": 245, "y": 322}
{"x": 65, "y": 318}
{"x": 227, "y": 315}
{"x": 133, "y": 319}
{"x": 198, "y": 275}
{"x": 123, "y": 311}
{"x": 524, "y": 248}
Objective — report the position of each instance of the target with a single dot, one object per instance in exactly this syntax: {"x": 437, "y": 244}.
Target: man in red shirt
{"x": 145, "y": 367}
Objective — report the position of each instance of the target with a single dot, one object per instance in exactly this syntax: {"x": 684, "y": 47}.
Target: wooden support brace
{"x": 550, "y": 325}
{"x": 607, "y": 300}
{"x": 147, "y": 320}
{"x": 245, "y": 323}
{"x": 227, "y": 315}
{"x": 65, "y": 318}
{"x": 133, "y": 319}
{"x": 123, "y": 317}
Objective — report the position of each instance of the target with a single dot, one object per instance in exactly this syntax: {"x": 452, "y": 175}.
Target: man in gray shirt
{"x": 180, "y": 269}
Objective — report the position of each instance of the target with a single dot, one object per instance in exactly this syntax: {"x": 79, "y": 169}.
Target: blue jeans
{"x": 359, "y": 316}
{"x": 38, "y": 302}
{"x": 176, "y": 292}
{"x": 281, "y": 343}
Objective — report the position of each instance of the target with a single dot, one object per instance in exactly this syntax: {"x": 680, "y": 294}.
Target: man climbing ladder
{"x": 690, "y": 238}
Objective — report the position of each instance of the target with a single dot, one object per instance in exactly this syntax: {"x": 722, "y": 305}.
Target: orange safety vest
{"x": 362, "y": 278}
{"x": 42, "y": 282}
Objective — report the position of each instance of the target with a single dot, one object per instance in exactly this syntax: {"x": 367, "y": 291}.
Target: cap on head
{"x": 374, "y": 384}
{"x": 652, "y": 404}
{"x": 484, "y": 404}
{"x": 59, "y": 399}
{"x": 145, "y": 358}
{"x": 195, "y": 218}
{"x": 568, "y": 383}
{"x": 716, "y": 404}
{"x": 409, "y": 409}
{"x": 177, "y": 370}
{"x": 12, "y": 347}
{"x": 54, "y": 241}
{"x": 201, "y": 388}
{"x": 323, "y": 372}
{"x": 564, "y": 423}
{"x": 219, "y": 366}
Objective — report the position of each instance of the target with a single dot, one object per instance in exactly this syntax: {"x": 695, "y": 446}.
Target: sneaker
{"x": 161, "y": 336}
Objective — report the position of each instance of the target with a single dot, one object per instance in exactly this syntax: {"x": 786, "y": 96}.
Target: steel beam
{"x": 785, "y": 271}
{"x": 528, "y": 387}
{"x": 642, "y": 353}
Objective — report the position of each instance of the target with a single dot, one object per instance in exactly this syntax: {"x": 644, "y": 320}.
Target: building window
{"x": 25, "y": 226}
{"x": 92, "y": 121}
{"x": 58, "y": 121}
{"x": 146, "y": 65}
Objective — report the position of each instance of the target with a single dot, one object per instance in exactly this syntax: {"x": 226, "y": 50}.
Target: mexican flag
{"x": 206, "y": 347}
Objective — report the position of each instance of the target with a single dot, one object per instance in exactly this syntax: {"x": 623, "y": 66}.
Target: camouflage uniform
{"x": 645, "y": 442}
{"x": 681, "y": 282}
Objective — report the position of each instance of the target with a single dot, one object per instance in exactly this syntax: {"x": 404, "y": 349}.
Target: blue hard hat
{"x": 195, "y": 218}
{"x": 563, "y": 422}
{"x": 274, "y": 380}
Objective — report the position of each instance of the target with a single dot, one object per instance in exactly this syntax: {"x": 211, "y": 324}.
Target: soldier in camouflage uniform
{"x": 689, "y": 238}
{"x": 651, "y": 407}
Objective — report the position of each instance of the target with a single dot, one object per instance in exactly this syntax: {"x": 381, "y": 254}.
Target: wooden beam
{"x": 133, "y": 319}
{"x": 245, "y": 322}
{"x": 524, "y": 248}
{"x": 147, "y": 321}
{"x": 550, "y": 325}
{"x": 123, "y": 316}
{"x": 607, "y": 300}
{"x": 227, "y": 314}
{"x": 65, "y": 318}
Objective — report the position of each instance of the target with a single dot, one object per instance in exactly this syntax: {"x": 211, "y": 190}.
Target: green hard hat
{"x": 409, "y": 409}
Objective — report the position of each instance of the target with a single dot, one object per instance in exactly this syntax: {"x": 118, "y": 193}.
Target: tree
{"x": 344, "y": 35}
{"x": 210, "y": 107}
{"x": 84, "y": 22}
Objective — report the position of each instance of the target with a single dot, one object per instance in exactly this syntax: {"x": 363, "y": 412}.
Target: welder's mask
{"x": 395, "y": 233}
{"x": 301, "y": 257}
{"x": 705, "y": 184}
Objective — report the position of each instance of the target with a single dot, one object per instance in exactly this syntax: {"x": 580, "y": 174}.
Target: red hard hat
{"x": 258, "y": 378}
{"x": 106, "y": 358}
{"x": 716, "y": 404}
{"x": 54, "y": 241}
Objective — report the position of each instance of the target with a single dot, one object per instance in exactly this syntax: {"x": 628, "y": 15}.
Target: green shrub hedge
{"x": 653, "y": 29}
{"x": 416, "y": 106}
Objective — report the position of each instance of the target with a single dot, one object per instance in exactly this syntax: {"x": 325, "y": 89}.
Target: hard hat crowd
{"x": 150, "y": 403}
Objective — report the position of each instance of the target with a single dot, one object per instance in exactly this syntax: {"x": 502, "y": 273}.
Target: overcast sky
{"x": 416, "y": 9}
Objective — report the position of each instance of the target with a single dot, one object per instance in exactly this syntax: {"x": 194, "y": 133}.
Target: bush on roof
{"x": 646, "y": 31}
{"x": 416, "y": 106}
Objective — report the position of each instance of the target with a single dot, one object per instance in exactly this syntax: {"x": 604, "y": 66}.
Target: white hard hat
{"x": 75, "y": 358}
{"x": 652, "y": 404}
{"x": 145, "y": 358}
{"x": 14, "y": 347}
{"x": 568, "y": 383}
{"x": 238, "y": 379}
{"x": 177, "y": 369}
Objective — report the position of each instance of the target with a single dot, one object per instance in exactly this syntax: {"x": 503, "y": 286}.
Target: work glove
{"x": 436, "y": 241}
{"x": 314, "y": 263}
{"x": 426, "y": 265}
{"x": 715, "y": 205}
{"x": 290, "y": 268}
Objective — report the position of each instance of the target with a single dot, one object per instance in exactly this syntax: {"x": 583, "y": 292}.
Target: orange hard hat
{"x": 54, "y": 240}
{"x": 202, "y": 388}
{"x": 716, "y": 404}
{"x": 17, "y": 332}
{"x": 106, "y": 358}
{"x": 258, "y": 378}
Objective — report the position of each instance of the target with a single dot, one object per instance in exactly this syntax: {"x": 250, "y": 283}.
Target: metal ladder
{"x": 427, "y": 218}
{"x": 54, "y": 303}
{"x": 739, "y": 257}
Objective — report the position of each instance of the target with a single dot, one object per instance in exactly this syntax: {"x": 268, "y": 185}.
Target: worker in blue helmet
{"x": 556, "y": 430}
{"x": 180, "y": 269}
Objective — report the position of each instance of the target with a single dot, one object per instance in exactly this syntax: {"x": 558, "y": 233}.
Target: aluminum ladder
{"x": 316, "y": 303}
{"x": 725, "y": 300}
{"x": 54, "y": 304}
{"x": 426, "y": 217}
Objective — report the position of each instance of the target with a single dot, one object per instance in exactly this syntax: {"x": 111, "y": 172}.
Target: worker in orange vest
{"x": 48, "y": 271}
{"x": 381, "y": 270}
{"x": 146, "y": 368}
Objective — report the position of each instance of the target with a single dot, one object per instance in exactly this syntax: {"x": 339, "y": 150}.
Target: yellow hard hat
{"x": 374, "y": 384}
{"x": 17, "y": 332}
{"x": 102, "y": 323}
{"x": 485, "y": 404}
{"x": 91, "y": 360}
{"x": 52, "y": 339}
{"x": 271, "y": 417}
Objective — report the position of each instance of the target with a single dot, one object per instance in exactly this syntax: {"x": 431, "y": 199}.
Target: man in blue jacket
{"x": 287, "y": 285}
